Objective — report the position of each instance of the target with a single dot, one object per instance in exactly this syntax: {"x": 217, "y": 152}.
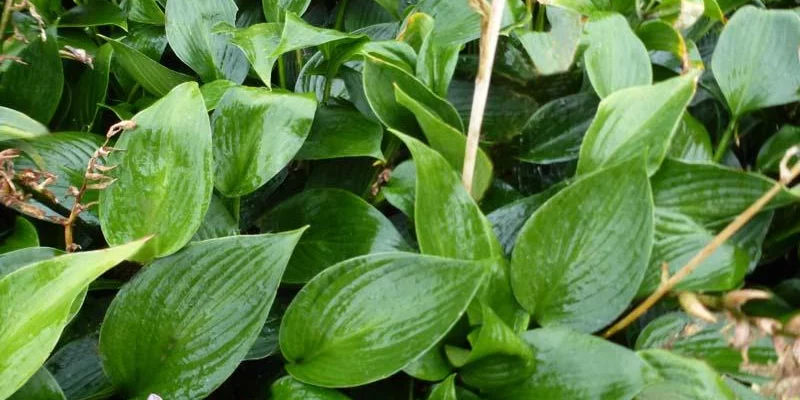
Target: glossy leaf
{"x": 342, "y": 132}
{"x": 78, "y": 369}
{"x": 616, "y": 59}
{"x": 751, "y": 37}
{"x": 351, "y": 324}
{"x": 218, "y": 222}
{"x": 401, "y": 190}
{"x": 154, "y": 77}
{"x": 189, "y": 31}
{"x": 288, "y": 388}
{"x": 41, "y": 386}
{"x": 94, "y": 13}
{"x": 164, "y": 178}
{"x": 34, "y": 88}
{"x": 266, "y": 343}
{"x": 690, "y": 337}
{"x": 445, "y": 390}
{"x": 144, "y": 11}
{"x": 691, "y": 141}
{"x": 275, "y": 10}
{"x": 682, "y": 378}
{"x": 341, "y": 226}
{"x": 257, "y": 132}
{"x": 773, "y": 150}
{"x": 634, "y": 122}
{"x": 431, "y": 366}
{"x": 37, "y": 301}
{"x": 448, "y": 141}
{"x": 213, "y": 92}
{"x": 603, "y": 370}
{"x": 16, "y": 125}
{"x": 92, "y": 87}
{"x": 567, "y": 268}
{"x": 554, "y": 51}
{"x": 593, "y": 7}
{"x": 507, "y": 221}
{"x": 23, "y": 236}
{"x": 380, "y": 79}
{"x": 14, "y": 260}
{"x": 555, "y": 132}
{"x": 183, "y": 325}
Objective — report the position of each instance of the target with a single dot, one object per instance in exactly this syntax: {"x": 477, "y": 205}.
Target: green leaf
{"x": 154, "y": 77}
{"x": 499, "y": 357}
{"x": 431, "y": 366}
{"x": 616, "y": 59}
{"x": 164, "y": 178}
{"x": 352, "y": 323}
{"x": 257, "y": 132}
{"x": 266, "y": 343}
{"x": 34, "y": 88}
{"x": 78, "y": 369}
{"x": 189, "y": 31}
{"x": 340, "y": 131}
{"x": 456, "y": 21}
{"x": 507, "y": 109}
{"x": 436, "y": 60}
{"x": 218, "y": 221}
{"x": 636, "y": 121}
{"x": 571, "y": 365}
{"x": 94, "y": 13}
{"x": 657, "y": 35}
{"x": 275, "y": 10}
{"x": 263, "y": 44}
{"x": 567, "y": 268}
{"x": 593, "y": 8}
{"x": 144, "y": 11}
{"x": 380, "y": 79}
{"x": 90, "y": 91}
{"x": 683, "y": 335}
{"x": 750, "y": 37}
{"x": 773, "y": 150}
{"x": 23, "y": 236}
{"x": 37, "y": 303}
{"x": 17, "y": 259}
{"x": 742, "y": 391}
{"x": 64, "y": 155}
{"x": 213, "y": 92}
{"x": 288, "y": 388}
{"x": 682, "y": 378}
{"x": 448, "y": 141}
{"x": 445, "y": 390}
{"x": 41, "y": 386}
{"x": 342, "y": 226}
{"x": 691, "y": 141}
{"x": 401, "y": 190}
{"x": 554, "y": 51}
{"x": 16, "y": 125}
{"x": 186, "y": 322}
{"x": 507, "y": 221}
{"x": 555, "y": 132}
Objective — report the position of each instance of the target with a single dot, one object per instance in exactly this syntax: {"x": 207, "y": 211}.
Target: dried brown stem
{"x": 787, "y": 176}
{"x": 490, "y": 31}
{"x": 92, "y": 180}
{"x": 7, "y": 5}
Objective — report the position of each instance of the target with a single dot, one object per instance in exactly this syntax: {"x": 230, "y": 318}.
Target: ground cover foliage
{"x": 282, "y": 199}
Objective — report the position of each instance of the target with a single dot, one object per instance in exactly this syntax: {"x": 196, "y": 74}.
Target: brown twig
{"x": 4, "y": 19}
{"x": 93, "y": 179}
{"x": 787, "y": 176}
{"x": 491, "y": 22}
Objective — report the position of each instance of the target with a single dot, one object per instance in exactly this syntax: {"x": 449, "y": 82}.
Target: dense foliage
{"x": 264, "y": 199}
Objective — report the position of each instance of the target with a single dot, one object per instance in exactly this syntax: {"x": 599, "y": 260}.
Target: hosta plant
{"x": 399, "y": 199}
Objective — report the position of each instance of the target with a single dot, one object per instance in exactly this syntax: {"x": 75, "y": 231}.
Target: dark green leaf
{"x": 266, "y": 343}
{"x": 23, "y": 236}
{"x": 90, "y": 91}
{"x": 257, "y": 132}
{"x": 218, "y": 222}
{"x": 401, "y": 190}
{"x": 37, "y": 303}
{"x": 634, "y": 122}
{"x": 16, "y": 125}
{"x": 507, "y": 109}
{"x": 751, "y": 37}
{"x": 773, "y": 150}
{"x": 78, "y": 369}
{"x": 275, "y": 10}
{"x": 181, "y": 327}
{"x": 342, "y": 226}
{"x": 691, "y": 141}
{"x": 340, "y": 131}
{"x": 41, "y": 386}
{"x": 508, "y": 220}
{"x": 154, "y": 77}
{"x": 164, "y": 178}
{"x": 352, "y": 323}
{"x": 555, "y": 132}
{"x": 616, "y": 58}
{"x": 288, "y": 388}
{"x": 567, "y": 268}
{"x": 431, "y": 366}
{"x": 657, "y": 35}
{"x": 94, "y": 13}
{"x": 34, "y": 88}
{"x": 189, "y": 31}
{"x": 144, "y": 11}
{"x": 554, "y": 51}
